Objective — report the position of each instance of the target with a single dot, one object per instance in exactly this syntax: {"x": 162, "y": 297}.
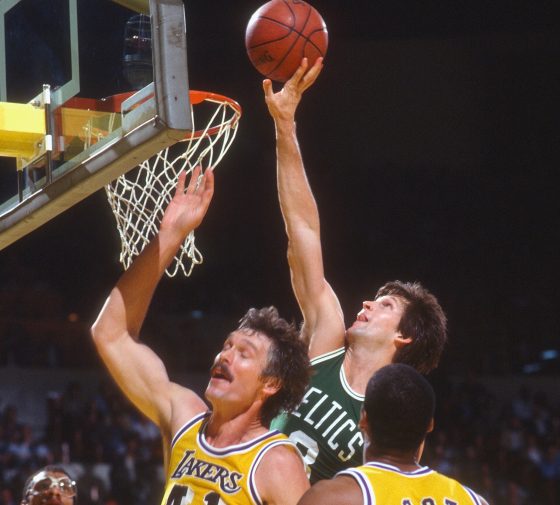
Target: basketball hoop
{"x": 139, "y": 197}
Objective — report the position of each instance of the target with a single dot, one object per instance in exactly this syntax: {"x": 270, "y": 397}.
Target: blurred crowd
{"x": 507, "y": 451}
{"x": 113, "y": 453}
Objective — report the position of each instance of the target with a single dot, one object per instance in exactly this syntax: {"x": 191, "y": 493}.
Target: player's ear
{"x": 431, "y": 426}
{"x": 271, "y": 386}
{"x": 363, "y": 423}
{"x": 401, "y": 341}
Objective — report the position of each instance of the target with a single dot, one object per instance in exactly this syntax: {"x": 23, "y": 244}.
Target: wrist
{"x": 285, "y": 126}
{"x": 170, "y": 237}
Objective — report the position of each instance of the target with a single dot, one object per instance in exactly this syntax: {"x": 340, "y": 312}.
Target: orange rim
{"x": 113, "y": 103}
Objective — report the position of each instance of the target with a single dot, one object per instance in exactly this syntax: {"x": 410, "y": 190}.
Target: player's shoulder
{"x": 340, "y": 489}
{"x": 475, "y": 497}
{"x": 282, "y": 454}
{"x": 280, "y": 460}
{"x": 330, "y": 356}
{"x": 281, "y": 464}
{"x": 186, "y": 405}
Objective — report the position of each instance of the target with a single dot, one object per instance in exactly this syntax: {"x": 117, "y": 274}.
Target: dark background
{"x": 431, "y": 144}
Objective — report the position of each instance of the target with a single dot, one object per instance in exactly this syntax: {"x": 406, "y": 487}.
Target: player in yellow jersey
{"x": 225, "y": 455}
{"x": 397, "y": 415}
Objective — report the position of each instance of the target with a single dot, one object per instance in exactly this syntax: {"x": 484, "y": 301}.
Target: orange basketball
{"x": 280, "y": 33}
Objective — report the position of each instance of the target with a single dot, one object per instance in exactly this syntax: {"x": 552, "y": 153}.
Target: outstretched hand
{"x": 188, "y": 207}
{"x": 283, "y": 104}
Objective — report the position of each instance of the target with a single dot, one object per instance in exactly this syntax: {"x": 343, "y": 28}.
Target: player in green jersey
{"x": 402, "y": 322}
{"x": 398, "y": 414}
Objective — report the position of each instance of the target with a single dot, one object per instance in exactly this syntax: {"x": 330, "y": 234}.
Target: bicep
{"x": 142, "y": 377}
{"x": 325, "y": 331}
{"x": 323, "y": 320}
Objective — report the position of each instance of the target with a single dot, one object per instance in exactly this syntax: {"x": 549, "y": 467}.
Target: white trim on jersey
{"x": 347, "y": 388}
{"x": 253, "y": 470}
{"x": 419, "y": 472}
{"x": 473, "y": 495}
{"x": 187, "y": 425}
{"x": 368, "y": 492}
{"x": 343, "y": 381}
{"x": 364, "y": 483}
{"x": 328, "y": 355}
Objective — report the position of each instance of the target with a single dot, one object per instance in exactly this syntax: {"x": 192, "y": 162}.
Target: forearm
{"x": 301, "y": 218}
{"x": 297, "y": 203}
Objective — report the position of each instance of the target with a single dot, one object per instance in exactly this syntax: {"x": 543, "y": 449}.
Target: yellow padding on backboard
{"x": 21, "y": 127}
{"x": 142, "y": 6}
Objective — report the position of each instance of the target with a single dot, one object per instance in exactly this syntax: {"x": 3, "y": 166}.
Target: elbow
{"x": 97, "y": 334}
{"x": 100, "y": 334}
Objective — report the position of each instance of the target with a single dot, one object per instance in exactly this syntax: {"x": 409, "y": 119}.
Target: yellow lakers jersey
{"x": 384, "y": 484}
{"x": 199, "y": 474}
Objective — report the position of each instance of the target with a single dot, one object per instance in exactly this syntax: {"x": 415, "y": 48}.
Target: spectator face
{"x": 51, "y": 488}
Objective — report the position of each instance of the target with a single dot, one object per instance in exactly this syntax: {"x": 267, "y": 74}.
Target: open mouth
{"x": 361, "y": 317}
{"x": 221, "y": 372}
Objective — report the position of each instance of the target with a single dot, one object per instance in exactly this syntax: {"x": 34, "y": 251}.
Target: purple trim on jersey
{"x": 473, "y": 495}
{"x": 255, "y": 464}
{"x": 188, "y": 425}
{"x": 232, "y": 448}
{"x": 421, "y": 471}
{"x": 362, "y": 482}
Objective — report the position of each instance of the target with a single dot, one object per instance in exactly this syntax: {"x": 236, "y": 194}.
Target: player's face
{"x": 235, "y": 377}
{"x": 379, "y": 319}
{"x": 52, "y": 488}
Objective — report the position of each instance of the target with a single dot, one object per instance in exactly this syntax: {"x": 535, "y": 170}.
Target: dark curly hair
{"x": 423, "y": 321}
{"x": 287, "y": 360}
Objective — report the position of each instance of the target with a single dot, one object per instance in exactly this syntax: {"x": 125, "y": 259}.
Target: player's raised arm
{"x": 136, "y": 368}
{"x": 323, "y": 319}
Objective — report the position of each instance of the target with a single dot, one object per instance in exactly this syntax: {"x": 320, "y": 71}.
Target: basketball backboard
{"x": 60, "y": 140}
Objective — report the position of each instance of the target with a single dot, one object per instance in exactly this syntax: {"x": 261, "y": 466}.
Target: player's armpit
{"x": 327, "y": 330}
{"x": 142, "y": 376}
{"x": 337, "y": 491}
{"x": 280, "y": 477}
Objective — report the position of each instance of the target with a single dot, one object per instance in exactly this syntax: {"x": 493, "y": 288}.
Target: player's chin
{"x": 216, "y": 388}
{"x": 356, "y": 325}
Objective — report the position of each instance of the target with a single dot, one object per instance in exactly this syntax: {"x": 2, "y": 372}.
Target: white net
{"x": 139, "y": 197}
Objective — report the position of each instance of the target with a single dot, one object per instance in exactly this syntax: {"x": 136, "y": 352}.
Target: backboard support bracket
{"x": 127, "y": 147}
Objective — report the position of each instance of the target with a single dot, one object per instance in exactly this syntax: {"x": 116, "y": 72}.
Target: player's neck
{"x": 360, "y": 364}
{"x": 404, "y": 461}
{"x": 226, "y": 430}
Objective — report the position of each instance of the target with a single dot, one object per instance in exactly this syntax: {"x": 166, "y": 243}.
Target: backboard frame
{"x": 69, "y": 89}
{"x": 170, "y": 120}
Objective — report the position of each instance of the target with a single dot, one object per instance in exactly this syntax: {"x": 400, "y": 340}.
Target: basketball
{"x": 280, "y": 33}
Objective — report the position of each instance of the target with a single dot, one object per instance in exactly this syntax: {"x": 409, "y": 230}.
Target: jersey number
{"x": 306, "y": 445}
{"x": 184, "y": 495}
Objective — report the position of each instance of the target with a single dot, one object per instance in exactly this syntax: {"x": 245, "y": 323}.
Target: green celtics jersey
{"x": 325, "y": 425}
